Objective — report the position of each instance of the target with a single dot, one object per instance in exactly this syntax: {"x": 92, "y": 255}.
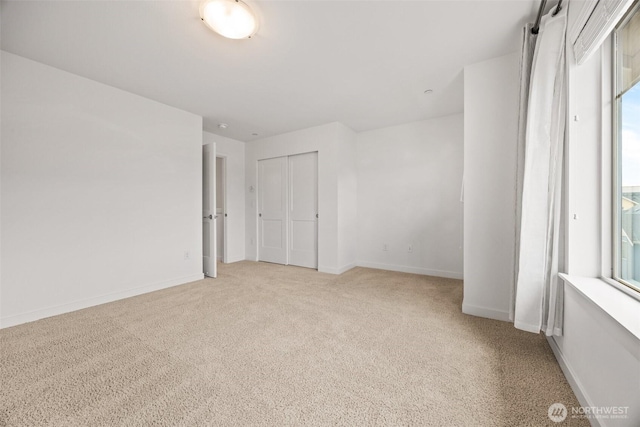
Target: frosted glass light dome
{"x": 233, "y": 19}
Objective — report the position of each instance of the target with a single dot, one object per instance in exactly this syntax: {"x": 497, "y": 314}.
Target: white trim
{"x": 489, "y": 313}
{"x": 622, "y": 288}
{"x": 391, "y": 267}
{"x": 42, "y": 313}
{"x": 620, "y": 306}
{"x": 413, "y": 270}
{"x": 340, "y": 270}
{"x": 573, "y": 380}
{"x": 607, "y": 193}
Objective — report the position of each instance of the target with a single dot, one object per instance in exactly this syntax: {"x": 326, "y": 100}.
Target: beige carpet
{"x": 281, "y": 346}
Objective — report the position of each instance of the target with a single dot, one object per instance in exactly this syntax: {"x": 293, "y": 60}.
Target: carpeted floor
{"x": 276, "y": 346}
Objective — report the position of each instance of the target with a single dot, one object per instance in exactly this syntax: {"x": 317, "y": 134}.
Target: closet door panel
{"x": 272, "y": 210}
{"x": 303, "y": 210}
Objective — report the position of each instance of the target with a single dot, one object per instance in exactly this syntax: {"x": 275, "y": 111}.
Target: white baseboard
{"x": 574, "y": 382}
{"x": 337, "y": 270}
{"x": 413, "y": 270}
{"x": 489, "y": 313}
{"x": 347, "y": 267}
{"x": 31, "y": 316}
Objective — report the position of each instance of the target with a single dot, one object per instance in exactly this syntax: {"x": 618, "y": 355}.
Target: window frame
{"x": 616, "y": 155}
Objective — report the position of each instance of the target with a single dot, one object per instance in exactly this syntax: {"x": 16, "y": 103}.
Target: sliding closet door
{"x": 303, "y": 210}
{"x": 272, "y": 210}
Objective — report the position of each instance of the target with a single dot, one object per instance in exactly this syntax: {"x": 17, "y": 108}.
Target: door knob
{"x": 210, "y": 217}
{"x": 260, "y": 215}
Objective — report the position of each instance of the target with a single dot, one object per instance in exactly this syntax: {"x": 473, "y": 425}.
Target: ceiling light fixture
{"x": 233, "y": 19}
{"x": 428, "y": 91}
{"x": 223, "y": 125}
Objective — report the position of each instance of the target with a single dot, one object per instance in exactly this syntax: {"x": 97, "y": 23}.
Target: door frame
{"x": 257, "y": 203}
{"x": 213, "y": 244}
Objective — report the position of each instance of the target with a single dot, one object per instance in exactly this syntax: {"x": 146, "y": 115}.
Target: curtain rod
{"x": 536, "y": 26}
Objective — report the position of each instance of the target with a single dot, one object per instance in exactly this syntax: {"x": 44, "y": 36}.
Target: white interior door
{"x": 272, "y": 210}
{"x": 221, "y": 208}
{"x": 209, "y": 215}
{"x": 303, "y": 210}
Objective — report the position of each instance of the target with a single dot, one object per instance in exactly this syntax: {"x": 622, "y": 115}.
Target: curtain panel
{"x": 538, "y": 295}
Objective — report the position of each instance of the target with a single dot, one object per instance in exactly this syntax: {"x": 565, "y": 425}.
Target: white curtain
{"x": 526, "y": 61}
{"x": 538, "y": 293}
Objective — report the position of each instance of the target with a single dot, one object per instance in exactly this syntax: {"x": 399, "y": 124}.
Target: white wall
{"x": 599, "y": 356}
{"x": 234, "y": 152}
{"x": 347, "y": 198}
{"x": 101, "y": 193}
{"x": 409, "y": 182}
{"x": 490, "y": 134}
{"x": 583, "y": 163}
{"x": 328, "y": 141}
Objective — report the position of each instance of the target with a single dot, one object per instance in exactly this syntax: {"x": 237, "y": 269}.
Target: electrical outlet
{"x": 410, "y": 248}
{"x": 187, "y": 255}
{"x": 385, "y": 247}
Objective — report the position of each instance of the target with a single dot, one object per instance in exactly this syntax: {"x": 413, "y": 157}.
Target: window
{"x": 626, "y": 251}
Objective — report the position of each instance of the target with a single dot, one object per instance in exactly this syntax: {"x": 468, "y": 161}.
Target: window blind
{"x": 629, "y": 53}
{"x": 603, "y": 19}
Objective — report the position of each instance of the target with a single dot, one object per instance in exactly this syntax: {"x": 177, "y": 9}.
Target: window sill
{"x": 620, "y": 306}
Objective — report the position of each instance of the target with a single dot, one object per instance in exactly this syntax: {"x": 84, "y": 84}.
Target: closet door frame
{"x": 287, "y": 191}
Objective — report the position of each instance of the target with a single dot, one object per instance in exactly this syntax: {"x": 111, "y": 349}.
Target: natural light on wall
{"x": 628, "y": 170}
{"x": 233, "y": 19}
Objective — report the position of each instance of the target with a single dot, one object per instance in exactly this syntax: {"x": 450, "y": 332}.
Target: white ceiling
{"x": 363, "y": 63}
